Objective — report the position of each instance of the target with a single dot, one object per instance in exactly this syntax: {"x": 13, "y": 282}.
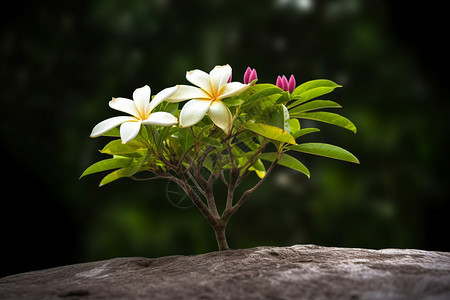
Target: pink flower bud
{"x": 247, "y": 75}
{"x": 291, "y": 84}
{"x": 279, "y": 82}
{"x": 282, "y": 82}
{"x": 250, "y": 75}
{"x": 286, "y": 85}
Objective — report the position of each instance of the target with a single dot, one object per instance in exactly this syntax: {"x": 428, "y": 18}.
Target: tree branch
{"x": 222, "y": 176}
{"x": 206, "y": 212}
{"x": 230, "y": 153}
{"x": 180, "y": 162}
{"x": 229, "y": 212}
{"x": 252, "y": 159}
{"x": 206, "y": 185}
{"x": 193, "y": 179}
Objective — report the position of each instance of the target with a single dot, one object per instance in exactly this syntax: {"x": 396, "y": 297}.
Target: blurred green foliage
{"x": 60, "y": 65}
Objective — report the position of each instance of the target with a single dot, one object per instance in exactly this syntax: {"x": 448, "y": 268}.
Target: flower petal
{"x": 247, "y": 75}
{"x": 291, "y": 84}
{"x": 193, "y": 111}
{"x": 187, "y": 92}
{"x": 285, "y": 83}
{"x": 129, "y": 130}
{"x": 161, "y": 118}
{"x": 200, "y": 79}
{"x": 108, "y": 124}
{"x": 141, "y": 97}
{"x": 233, "y": 88}
{"x": 124, "y": 105}
{"x": 229, "y": 79}
{"x": 219, "y": 77}
{"x": 160, "y": 97}
{"x": 279, "y": 82}
{"x": 253, "y": 76}
{"x": 221, "y": 116}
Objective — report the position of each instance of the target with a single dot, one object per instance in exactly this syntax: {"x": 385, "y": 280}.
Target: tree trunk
{"x": 221, "y": 237}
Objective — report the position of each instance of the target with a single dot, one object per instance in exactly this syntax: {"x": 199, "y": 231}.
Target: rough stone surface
{"x": 297, "y": 272}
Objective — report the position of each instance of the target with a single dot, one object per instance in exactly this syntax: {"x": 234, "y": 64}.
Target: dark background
{"x": 60, "y": 65}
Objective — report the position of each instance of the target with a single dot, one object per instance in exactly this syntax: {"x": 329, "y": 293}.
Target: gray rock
{"x": 297, "y": 272}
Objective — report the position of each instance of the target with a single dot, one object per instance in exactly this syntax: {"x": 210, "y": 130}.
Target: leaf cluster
{"x": 266, "y": 127}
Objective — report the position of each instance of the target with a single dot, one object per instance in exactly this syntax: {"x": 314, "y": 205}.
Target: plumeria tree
{"x": 225, "y": 132}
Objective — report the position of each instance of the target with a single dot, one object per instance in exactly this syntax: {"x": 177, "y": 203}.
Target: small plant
{"x": 249, "y": 128}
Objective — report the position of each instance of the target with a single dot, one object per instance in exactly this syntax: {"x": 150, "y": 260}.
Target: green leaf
{"x": 326, "y": 150}
{"x": 209, "y": 164}
{"x": 211, "y": 141}
{"x": 316, "y": 104}
{"x": 259, "y": 168}
{"x": 246, "y": 141}
{"x": 123, "y": 172}
{"x": 287, "y": 161}
{"x": 117, "y": 148}
{"x": 273, "y": 115}
{"x": 254, "y": 89}
{"x": 260, "y": 102}
{"x": 185, "y": 139}
{"x": 107, "y": 164}
{"x": 262, "y": 91}
{"x": 305, "y": 131}
{"x": 233, "y": 101}
{"x": 294, "y": 126}
{"x": 163, "y": 133}
{"x": 327, "y": 117}
{"x": 169, "y": 107}
{"x": 115, "y": 132}
{"x": 312, "y": 89}
{"x": 132, "y": 169}
{"x": 271, "y": 132}
{"x": 312, "y": 84}
{"x": 284, "y": 98}
{"x": 277, "y": 115}
{"x": 202, "y": 130}
{"x": 286, "y": 124}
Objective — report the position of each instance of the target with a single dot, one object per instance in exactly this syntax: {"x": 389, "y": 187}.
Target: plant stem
{"x": 205, "y": 186}
{"x": 229, "y": 211}
{"x": 221, "y": 238}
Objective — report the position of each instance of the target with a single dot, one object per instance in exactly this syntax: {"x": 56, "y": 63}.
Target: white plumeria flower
{"x": 141, "y": 111}
{"x": 206, "y": 97}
